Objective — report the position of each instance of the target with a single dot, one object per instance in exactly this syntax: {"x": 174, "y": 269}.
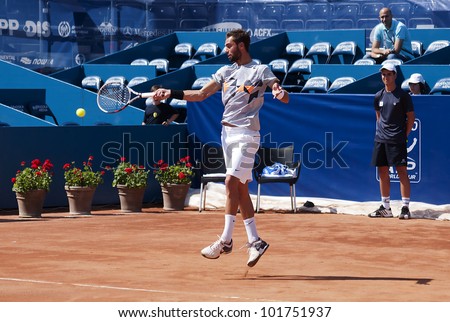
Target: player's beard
{"x": 234, "y": 58}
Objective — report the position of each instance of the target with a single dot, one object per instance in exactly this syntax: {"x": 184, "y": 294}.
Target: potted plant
{"x": 80, "y": 186}
{"x": 31, "y": 185}
{"x": 175, "y": 181}
{"x": 131, "y": 182}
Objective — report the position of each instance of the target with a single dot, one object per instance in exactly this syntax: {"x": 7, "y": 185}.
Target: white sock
{"x": 250, "y": 228}
{"x": 405, "y": 202}
{"x": 228, "y": 228}
{"x": 386, "y": 202}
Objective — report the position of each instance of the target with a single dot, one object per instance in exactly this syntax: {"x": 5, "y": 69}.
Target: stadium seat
{"x": 340, "y": 82}
{"x": 70, "y": 124}
{"x": 267, "y": 157}
{"x": 317, "y": 84}
{"x": 295, "y": 15}
{"x": 294, "y": 51}
{"x": 344, "y": 53}
{"x": 92, "y": 83}
{"x": 207, "y": 50}
{"x": 42, "y": 111}
{"x": 4, "y": 124}
{"x": 189, "y": 62}
{"x": 297, "y": 75}
{"x": 393, "y": 61}
{"x": 161, "y": 64}
{"x": 345, "y": 15}
{"x": 436, "y": 45}
{"x": 441, "y": 87}
{"x": 319, "y": 52}
{"x": 193, "y": 16}
{"x": 417, "y": 48}
{"x": 241, "y": 13}
{"x": 119, "y": 79}
{"x": 365, "y": 61}
{"x": 140, "y": 62}
{"x": 400, "y": 10}
{"x": 212, "y": 169}
{"x": 181, "y": 53}
{"x": 318, "y": 16}
{"x": 178, "y": 103}
{"x": 137, "y": 80}
{"x": 269, "y": 15}
{"x": 279, "y": 67}
{"x": 256, "y": 60}
{"x": 371, "y": 9}
{"x": 200, "y": 82}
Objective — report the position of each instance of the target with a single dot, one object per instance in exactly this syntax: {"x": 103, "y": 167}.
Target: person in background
{"x": 417, "y": 84}
{"x": 390, "y": 39}
{"x": 159, "y": 112}
{"x": 243, "y": 84}
{"x": 395, "y": 118}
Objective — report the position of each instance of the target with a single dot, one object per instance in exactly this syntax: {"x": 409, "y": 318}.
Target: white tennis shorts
{"x": 239, "y": 148}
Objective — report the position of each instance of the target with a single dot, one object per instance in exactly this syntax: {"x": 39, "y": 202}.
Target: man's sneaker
{"x": 405, "y": 214}
{"x": 217, "y": 248}
{"x": 255, "y": 251}
{"x": 381, "y": 213}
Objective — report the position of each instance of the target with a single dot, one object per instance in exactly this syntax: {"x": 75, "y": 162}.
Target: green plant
{"x": 129, "y": 175}
{"x": 37, "y": 176}
{"x": 178, "y": 173}
{"x": 84, "y": 176}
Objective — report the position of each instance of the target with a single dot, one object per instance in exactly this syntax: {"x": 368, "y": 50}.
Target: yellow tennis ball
{"x": 81, "y": 112}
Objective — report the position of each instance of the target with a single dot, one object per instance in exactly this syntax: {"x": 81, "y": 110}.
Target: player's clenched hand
{"x": 161, "y": 94}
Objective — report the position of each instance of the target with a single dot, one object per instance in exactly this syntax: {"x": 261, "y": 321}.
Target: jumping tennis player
{"x": 243, "y": 84}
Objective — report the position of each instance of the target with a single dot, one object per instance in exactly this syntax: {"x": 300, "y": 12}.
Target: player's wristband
{"x": 177, "y": 94}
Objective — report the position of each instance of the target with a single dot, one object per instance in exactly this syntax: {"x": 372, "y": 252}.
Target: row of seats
{"x": 304, "y": 14}
{"x": 94, "y": 82}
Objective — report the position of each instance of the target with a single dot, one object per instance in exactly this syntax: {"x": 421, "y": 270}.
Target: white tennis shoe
{"x": 255, "y": 251}
{"x": 217, "y": 248}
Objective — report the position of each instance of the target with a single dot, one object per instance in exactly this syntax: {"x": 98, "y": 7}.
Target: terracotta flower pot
{"x": 80, "y": 199}
{"x": 174, "y": 195}
{"x": 131, "y": 199}
{"x": 31, "y": 203}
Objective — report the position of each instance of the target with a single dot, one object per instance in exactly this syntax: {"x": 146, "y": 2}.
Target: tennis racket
{"x": 113, "y": 97}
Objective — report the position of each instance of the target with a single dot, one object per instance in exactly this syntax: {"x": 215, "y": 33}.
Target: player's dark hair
{"x": 240, "y": 36}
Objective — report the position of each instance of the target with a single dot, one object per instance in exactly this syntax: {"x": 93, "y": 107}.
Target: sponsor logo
{"x": 25, "y": 60}
{"x": 64, "y": 29}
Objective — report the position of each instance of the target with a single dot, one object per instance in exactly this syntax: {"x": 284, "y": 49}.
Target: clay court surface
{"x": 155, "y": 256}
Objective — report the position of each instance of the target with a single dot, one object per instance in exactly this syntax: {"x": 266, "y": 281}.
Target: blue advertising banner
{"x": 333, "y": 136}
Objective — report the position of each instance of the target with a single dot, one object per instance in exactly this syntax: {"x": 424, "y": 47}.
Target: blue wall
{"x": 333, "y": 135}
{"x": 143, "y": 145}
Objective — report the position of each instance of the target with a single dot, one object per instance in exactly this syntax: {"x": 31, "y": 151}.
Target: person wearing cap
{"x": 417, "y": 85}
{"x": 390, "y": 39}
{"x": 395, "y": 118}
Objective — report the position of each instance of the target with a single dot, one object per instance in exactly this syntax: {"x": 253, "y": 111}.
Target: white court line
{"x": 10, "y": 279}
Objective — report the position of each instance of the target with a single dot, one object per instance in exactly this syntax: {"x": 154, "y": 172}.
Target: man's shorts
{"x": 386, "y": 154}
{"x": 239, "y": 148}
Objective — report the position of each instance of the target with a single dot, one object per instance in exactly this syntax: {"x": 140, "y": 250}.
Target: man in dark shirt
{"x": 159, "y": 112}
{"x": 395, "y": 119}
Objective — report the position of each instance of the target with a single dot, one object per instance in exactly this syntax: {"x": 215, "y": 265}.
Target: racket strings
{"x": 113, "y": 96}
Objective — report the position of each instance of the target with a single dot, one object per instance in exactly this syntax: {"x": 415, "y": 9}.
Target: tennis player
{"x": 243, "y": 84}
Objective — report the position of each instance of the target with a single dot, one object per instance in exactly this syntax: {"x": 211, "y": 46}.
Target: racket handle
{"x": 147, "y": 95}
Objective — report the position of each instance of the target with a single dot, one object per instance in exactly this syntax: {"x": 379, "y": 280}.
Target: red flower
{"x": 66, "y": 166}
{"x": 128, "y": 170}
{"x": 122, "y": 159}
{"x": 13, "y": 180}
{"x": 181, "y": 175}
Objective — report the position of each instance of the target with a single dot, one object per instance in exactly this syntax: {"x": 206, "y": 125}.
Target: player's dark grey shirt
{"x": 393, "y": 106}
{"x": 243, "y": 90}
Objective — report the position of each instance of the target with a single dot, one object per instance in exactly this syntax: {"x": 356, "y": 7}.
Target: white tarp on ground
{"x": 215, "y": 198}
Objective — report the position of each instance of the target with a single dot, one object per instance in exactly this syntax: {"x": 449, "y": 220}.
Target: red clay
{"x": 155, "y": 256}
